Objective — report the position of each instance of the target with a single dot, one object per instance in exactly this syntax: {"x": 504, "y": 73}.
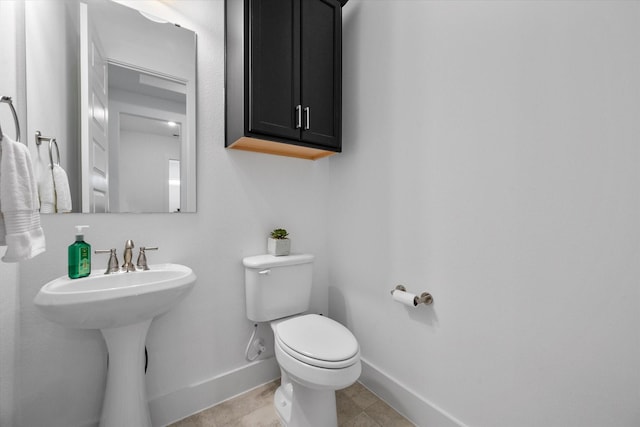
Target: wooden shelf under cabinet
{"x": 279, "y": 149}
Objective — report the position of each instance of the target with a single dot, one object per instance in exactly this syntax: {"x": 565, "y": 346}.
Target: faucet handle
{"x": 112, "y": 265}
{"x": 142, "y": 257}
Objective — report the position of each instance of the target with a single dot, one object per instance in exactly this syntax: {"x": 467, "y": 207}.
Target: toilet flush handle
{"x": 267, "y": 271}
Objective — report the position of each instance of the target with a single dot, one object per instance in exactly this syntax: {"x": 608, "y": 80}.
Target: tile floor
{"x": 357, "y": 407}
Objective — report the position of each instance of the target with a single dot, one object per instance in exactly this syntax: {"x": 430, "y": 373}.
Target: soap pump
{"x": 79, "y": 255}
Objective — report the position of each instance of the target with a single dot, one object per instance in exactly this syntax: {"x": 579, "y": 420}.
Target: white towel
{"x": 46, "y": 191}
{"x": 19, "y": 205}
{"x": 61, "y": 186}
{"x": 53, "y": 189}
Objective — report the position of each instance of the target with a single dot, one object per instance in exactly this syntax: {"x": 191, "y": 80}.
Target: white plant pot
{"x": 278, "y": 247}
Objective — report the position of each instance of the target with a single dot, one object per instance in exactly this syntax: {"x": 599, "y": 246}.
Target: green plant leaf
{"x": 279, "y": 233}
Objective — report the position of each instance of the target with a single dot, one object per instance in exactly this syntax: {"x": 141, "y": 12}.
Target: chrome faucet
{"x": 127, "y": 264}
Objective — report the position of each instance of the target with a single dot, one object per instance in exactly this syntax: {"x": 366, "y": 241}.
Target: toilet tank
{"x": 277, "y": 286}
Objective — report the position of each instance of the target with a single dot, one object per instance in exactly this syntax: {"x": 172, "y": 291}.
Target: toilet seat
{"x": 317, "y": 341}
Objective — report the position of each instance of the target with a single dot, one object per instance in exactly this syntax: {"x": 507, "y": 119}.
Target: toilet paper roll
{"x": 405, "y": 298}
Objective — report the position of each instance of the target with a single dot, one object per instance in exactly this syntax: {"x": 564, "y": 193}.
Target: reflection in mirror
{"x": 146, "y": 116}
{"x": 117, "y": 90}
{"x": 150, "y": 184}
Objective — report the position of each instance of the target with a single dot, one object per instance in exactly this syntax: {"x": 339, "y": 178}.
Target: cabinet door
{"x": 321, "y": 55}
{"x": 273, "y": 75}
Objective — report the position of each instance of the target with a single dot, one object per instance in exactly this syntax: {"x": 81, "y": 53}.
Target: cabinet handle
{"x": 307, "y": 113}
{"x": 299, "y": 116}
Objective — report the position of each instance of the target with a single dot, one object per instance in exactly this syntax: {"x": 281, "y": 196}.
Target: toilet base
{"x": 299, "y": 406}
{"x": 283, "y": 406}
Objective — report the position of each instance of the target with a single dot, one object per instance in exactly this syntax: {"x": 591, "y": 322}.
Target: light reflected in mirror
{"x": 123, "y": 88}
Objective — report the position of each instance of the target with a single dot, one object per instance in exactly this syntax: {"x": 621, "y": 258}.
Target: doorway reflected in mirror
{"x": 114, "y": 76}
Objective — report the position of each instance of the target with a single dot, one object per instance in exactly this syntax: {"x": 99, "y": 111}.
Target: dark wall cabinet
{"x": 284, "y": 76}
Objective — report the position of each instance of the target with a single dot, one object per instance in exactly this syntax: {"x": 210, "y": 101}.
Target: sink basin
{"x": 122, "y": 306}
{"x": 113, "y": 300}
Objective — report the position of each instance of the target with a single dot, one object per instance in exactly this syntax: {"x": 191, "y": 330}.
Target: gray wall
{"x": 491, "y": 157}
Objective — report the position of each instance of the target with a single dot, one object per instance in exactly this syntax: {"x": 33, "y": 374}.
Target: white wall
{"x": 117, "y": 29}
{"x": 52, "y": 56}
{"x": 241, "y": 197}
{"x": 11, "y": 46}
{"x": 491, "y": 158}
{"x": 144, "y": 185}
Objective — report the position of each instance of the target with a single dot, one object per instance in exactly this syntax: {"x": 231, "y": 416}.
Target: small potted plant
{"x": 278, "y": 244}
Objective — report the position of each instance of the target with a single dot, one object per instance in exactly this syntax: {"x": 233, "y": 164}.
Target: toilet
{"x": 317, "y": 355}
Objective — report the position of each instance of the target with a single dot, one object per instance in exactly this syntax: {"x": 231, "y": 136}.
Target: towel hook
{"x": 7, "y": 100}
{"x": 52, "y": 143}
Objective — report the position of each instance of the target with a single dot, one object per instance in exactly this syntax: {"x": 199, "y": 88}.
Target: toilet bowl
{"x": 316, "y": 354}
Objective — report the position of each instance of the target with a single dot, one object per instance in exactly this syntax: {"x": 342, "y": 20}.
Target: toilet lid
{"x": 317, "y": 337}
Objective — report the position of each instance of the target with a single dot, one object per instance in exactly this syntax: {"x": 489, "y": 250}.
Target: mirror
{"x": 116, "y": 87}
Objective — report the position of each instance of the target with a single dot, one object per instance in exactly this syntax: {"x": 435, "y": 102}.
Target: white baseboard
{"x": 181, "y": 403}
{"x": 413, "y": 407}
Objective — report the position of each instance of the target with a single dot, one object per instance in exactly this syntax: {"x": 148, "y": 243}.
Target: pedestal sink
{"x": 122, "y": 306}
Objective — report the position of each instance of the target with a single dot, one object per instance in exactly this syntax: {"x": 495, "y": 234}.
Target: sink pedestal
{"x": 122, "y": 306}
{"x": 125, "y": 399}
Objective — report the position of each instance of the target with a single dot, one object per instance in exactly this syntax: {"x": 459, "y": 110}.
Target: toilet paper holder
{"x": 423, "y": 298}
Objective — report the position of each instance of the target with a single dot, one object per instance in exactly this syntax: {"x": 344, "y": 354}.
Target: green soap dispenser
{"x": 79, "y": 255}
